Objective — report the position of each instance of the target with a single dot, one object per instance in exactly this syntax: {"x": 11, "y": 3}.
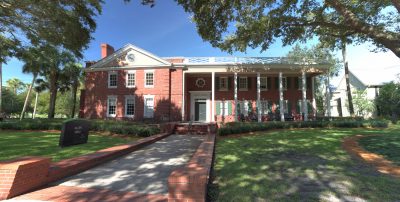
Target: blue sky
{"x": 166, "y": 30}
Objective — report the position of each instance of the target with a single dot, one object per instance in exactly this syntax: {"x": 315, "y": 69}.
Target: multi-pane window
{"x": 300, "y": 82}
{"x": 285, "y": 106}
{"x": 224, "y": 108}
{"x": 130, "y": 79}
{"x": 243, "y": 83}
{"x": 263, "y": 83}
{"x": 111, "y": 106}
{"x": 284, "y": 83}
{"x": 112, "y": 79}
{"x": 148, "y": 106}
{"x": 264, "y": 107}
{"x": 243, "y": 107}
{"x": 129, "y": 106}
{"x": 149, "y": 79}
{"x": 223, "y": 83}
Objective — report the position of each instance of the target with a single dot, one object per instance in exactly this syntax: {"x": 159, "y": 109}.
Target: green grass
{"x": 18, "y": 144}
{"x": 297, "y": 165}
{"x": 387, "y": 145}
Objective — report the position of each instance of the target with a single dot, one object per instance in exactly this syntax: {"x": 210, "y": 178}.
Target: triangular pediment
{"x": 131, "y": 56}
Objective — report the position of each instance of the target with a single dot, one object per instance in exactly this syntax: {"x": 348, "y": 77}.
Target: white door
{"x": 148, "y": 106}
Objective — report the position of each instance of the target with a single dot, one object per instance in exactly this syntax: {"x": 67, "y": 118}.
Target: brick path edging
{"x": 19, "y": 176}
{"x": 189, "y": 183}
{"x": 350, "y": 144}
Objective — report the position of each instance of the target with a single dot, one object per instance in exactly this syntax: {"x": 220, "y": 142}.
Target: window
{"x": 284, "y": 83}
{"x": 263, "y": 83}
{"x": 112, "y": 79}
{"x": 264, "y": 107}
{"x": 129, "y": 106}
{"x": 149, "y": 79}
{"x": 300, "y": 80}
{"x": 130, "y": 79}
{"x": 111, "y": 106}
{"x": 148, "y": 106}
{"x": 285, "y": 106}
{"x": 243, "y": 83}
{"x": 244, "y": 107}
{"x": 225, "y": 108}
{"x": 223, "y": 83}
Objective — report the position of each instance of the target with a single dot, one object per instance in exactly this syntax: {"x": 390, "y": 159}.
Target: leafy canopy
{"x": 64, "y": 24}
{"x": 235, "y": 25}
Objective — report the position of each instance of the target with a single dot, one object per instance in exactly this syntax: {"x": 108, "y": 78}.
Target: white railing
{"x": 244, "y": 60}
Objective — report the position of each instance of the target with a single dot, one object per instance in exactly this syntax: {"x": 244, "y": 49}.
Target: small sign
{"x": 74, "y": 132}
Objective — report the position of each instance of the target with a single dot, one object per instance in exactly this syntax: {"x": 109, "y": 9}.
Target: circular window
{"x": 200, "y": 82}
{"x": 130, "y": 57}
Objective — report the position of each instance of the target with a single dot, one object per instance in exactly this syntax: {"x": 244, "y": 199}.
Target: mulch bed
{"x": 350, "y": 144}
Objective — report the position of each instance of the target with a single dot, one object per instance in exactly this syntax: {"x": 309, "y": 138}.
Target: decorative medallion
{"x": 130, "y": 57}
{"x": 200, "y": 82}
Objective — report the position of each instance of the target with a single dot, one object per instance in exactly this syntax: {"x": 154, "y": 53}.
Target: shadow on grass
{"x": 297, "y": 165}
{"x": 18, "y": 144}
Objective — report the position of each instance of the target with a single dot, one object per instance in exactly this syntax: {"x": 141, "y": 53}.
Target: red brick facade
{"x": 168, "y": 89}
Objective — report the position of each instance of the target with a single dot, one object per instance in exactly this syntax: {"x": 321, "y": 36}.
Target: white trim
{"x": 212, "y": 96}
{"x": 226, "y": 83}
{"x": 148, "y": 115}
{"x": 183, "y": 96}
{"x": 134, "y": 78}
{"x": 108, "y": 79}
{"x": 258, "y": 97}
{"x": 108, "y": 105}
{"x": 235, "y": 95}
{"x": 124, "y": 49}
{"x": 247, "y": 83}
{"x": 200, "y": 95}
{"x": 145, "y": 80}
{"x": 126, "y": 107}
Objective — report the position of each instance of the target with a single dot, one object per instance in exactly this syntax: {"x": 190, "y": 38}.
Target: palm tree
{"x": 15, "y": 84}
{"x": 72, "y": 73}
{"x": 34, "y": 61}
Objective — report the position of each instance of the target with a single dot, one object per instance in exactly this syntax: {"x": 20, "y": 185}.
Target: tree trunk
{"x": 346, "y": 74}
{"x": 34, "y": 109}
{"x": 53, "y": 92}
{"x": 27, "y": 97}
{"x": 74, "y": 91}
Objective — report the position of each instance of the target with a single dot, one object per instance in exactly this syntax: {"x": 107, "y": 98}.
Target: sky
{"x": 166, "y": 30}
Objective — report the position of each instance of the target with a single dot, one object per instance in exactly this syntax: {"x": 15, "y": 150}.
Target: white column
{"x": 281, "y": 97}
{"x": 212, "y": 96}
{"x": 314, "y": 102}
{"x": 235, "y": 96}
{"x": 304, "y": 93}
{"x": 258, "y": 98}
{"x": 183, "y": 95}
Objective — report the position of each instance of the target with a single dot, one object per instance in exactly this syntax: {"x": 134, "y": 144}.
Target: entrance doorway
{"x": 200, "y": 110}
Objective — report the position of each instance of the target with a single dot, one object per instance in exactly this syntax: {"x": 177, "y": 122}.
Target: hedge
{"x": 117, "y": 127}
{"x": 240, "y": 127}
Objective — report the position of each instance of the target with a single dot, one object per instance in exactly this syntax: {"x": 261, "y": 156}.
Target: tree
{"x": 72, "y": 74}
{"x": 236, "y": 25}
{"x": 317, "y": 53}
{"x": 362, "y": 104}
{"x": 15, "y": 85}
{"x": 388, "y": 100}
{"x": 59, "y": 23}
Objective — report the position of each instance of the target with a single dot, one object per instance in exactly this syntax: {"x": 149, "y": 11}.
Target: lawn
{"x": 298, "y": 165}
{"x": 387, "y": 145}
{"x": 17, "y": 144}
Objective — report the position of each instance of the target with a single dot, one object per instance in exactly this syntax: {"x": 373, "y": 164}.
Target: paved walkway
{"x": 141, "y": 175}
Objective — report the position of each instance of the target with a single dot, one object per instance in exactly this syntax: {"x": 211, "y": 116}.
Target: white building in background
{"x": 369, "y": 81}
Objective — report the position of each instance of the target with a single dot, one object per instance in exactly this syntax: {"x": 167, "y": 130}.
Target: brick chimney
{"x": 106, "y": 50}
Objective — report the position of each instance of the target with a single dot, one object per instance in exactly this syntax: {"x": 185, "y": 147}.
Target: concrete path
{"x": 142, "y": 171}
{"x": 140, "y": 176}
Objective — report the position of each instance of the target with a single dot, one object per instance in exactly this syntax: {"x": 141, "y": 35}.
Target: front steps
{"x": 195, "y": 128}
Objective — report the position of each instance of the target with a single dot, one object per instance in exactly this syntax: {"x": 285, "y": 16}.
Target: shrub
{"x": 240, "y": 127}
{"x": 117, "y": 127}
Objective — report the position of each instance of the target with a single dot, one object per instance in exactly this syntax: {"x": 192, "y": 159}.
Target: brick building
{"x": 131, "y": 83}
